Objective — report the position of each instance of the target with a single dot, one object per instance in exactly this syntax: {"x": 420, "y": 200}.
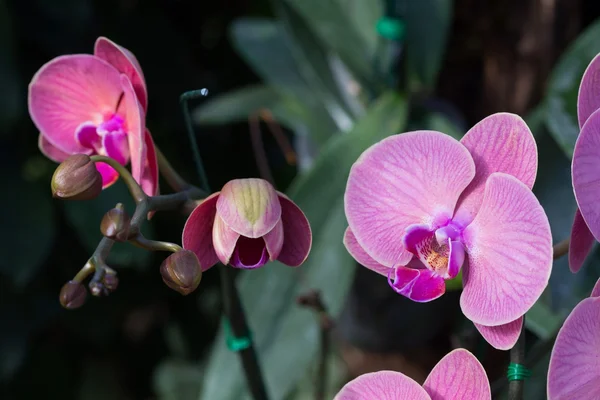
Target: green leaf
{"x": 27, "y": 227}
{"x": 364, "y": 16}
{"x": 177, "y": 380}
{"x": 266, "y": 47}
{"x": 238, "y": 105}
{"x": 332, "y": 24}
{"x": 563, "y": 86}
{"x": 85, "y": 217}
{"x": 427, "y": 28}
{"x": 286, "y": 335}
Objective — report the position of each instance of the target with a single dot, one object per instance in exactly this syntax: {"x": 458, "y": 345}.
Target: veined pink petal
{"x": 403, "y": 180}
{"x": 250, "y": 207}
{"x": 509, "y": 249}
{"x": 502, "y": 337}
{"x": 274, "y": 241}
{"x": 126, "y": 63}
{"x": 588, "y": 99}
{"x": 459, "y": 375}
{"x": 581, "y": 243}
{"x": 53, "y": 153}
{"x": 501, "y": 142}
{"x": 297, "y": 235}
{"x": 574, "y": 371}
{"x": 361, "y": 256}
{"x": 586, "y": 173}
{"x": 420, "y": 285}
{"x": 135, "y": 124}
{"x": 224, "y": 239}
{"x": 109, "y": 175}
{"x": 596, "y": 289}
{"x": 149, "y": 178}
{"x": 68, "y": 91}
{"x": 198, "y": 232}
{"x": 382, "y": 385}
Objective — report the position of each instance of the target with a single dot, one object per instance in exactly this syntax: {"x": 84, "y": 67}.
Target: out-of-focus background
{"x": 298, "y": 89}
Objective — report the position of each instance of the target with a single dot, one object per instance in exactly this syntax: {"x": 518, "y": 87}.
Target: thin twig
{"x": 173, "y": 178}
{"x": 259, "y": 149}
{"x": 561, "y": 248}
{"x": 277, "y": 132}
{"x": 517, "y": 356}
{"x": 185, "y": 97}
{"x": 313, "y": 301}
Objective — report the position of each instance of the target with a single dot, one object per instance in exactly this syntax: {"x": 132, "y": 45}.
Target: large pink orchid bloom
{"x": 420, "y": 204}
{"x": 459, "y": 375}
{"x": 574, "y": 371}
{"x": 95, "y": 104}
{"x": 586, "y": 169}
{"x": 247, "y": 224}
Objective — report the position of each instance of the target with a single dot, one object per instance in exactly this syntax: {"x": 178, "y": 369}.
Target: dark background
{"x": 498, "y": 58}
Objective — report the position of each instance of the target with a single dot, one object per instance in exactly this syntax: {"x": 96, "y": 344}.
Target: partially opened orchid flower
{"x": 586, "y": 169}
{"x": 246, "y": 225}
{"x": 459, "y": 375}
{"x": 574, "y": 371}
{"x": 95, "y": 104}
{"x": 421, "y": 204}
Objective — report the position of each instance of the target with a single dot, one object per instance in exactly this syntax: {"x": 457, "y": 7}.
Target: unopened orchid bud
{"x": 76, "y": 178}
{"x": 72, "y": 295}
{"x": 110, "y": 280}
{"x": 181, "y": 271}
{"x": 115, "y": 224}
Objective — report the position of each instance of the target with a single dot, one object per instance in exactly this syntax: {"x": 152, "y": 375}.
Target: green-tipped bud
{"x": 115, "y": 224}
{"x": 72, "y": 295}
{"x": 181, "y": 271}
{"x": 76, "y": 178}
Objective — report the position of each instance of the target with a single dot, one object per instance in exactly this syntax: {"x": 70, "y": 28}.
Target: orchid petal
{"x": 87, "y": 135}
{"x": 459, "y": 375}
{"x": 456, "y": 258}
{"x": 420, "y": 285}
{"x": 149, "y": 178}
{"x": 116, "y": 146}
{"x": 502, "y": 337}
{"x": 361, "y": 256}
{"x": 588, "y": 99}
{"x": 224, "y": 239}
{"x": 501, "y": 142}
{"x": 581, "y": 243}
{"x": 249, "y": 253}
{"x": 50, "y": 151}
{"x": 108, "y": 173}
{"x": 509, "y": 249}
{"x": 297, "y": 235}
{"x": 586, "y": 173}
{"x": 574, "y": 370}
{"x": 403, "y": 180}
{"x": 274, "y": 241}
{"x": 126, "y": 63}
{"x": 596, "y": 289}
{"x": 249, "y": 206}
{"x": 382, "y": 385}
{"x": 134, "y": 117}
{"x": 68, "y": 91}
{"x": 198, "y": 232}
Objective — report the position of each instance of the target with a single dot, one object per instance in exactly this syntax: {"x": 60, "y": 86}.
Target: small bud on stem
{"x": 76, "y": 178}
{"x": 115, "y": 224}
{"x": 72, "y": 295}
{"x": 181, "y": 271}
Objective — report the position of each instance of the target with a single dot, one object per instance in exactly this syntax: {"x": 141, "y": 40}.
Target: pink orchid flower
{"x": 95, "y": 104}
{"x": 574, "y": 371}
{"x": 246, "y": 225}
{"x": 585, "y": 168}
{"x": 459, "y": 375}
{"x": 421, "y": 204}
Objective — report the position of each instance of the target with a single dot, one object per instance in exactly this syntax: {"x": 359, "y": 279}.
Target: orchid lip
{"x": 107, "y": 138}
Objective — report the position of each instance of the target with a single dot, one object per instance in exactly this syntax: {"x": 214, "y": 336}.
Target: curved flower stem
{"x": 154, "y": 245}
{"x": 134, "y": 188}
{"x": 183, "y": 99}
{"x": 561, "y": 248}
{"x": 517, "y": 356}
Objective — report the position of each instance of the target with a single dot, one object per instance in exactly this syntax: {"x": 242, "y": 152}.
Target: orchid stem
{"x": 232, "y": 305}
{"x": 134, "y": 188}
{"x": 183, "y": 99}
{"x": 561, "y": 248}
{"x": 154, "y": 245}
{"x": 259, "y": 149}
{"x": 517, "y": 356}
